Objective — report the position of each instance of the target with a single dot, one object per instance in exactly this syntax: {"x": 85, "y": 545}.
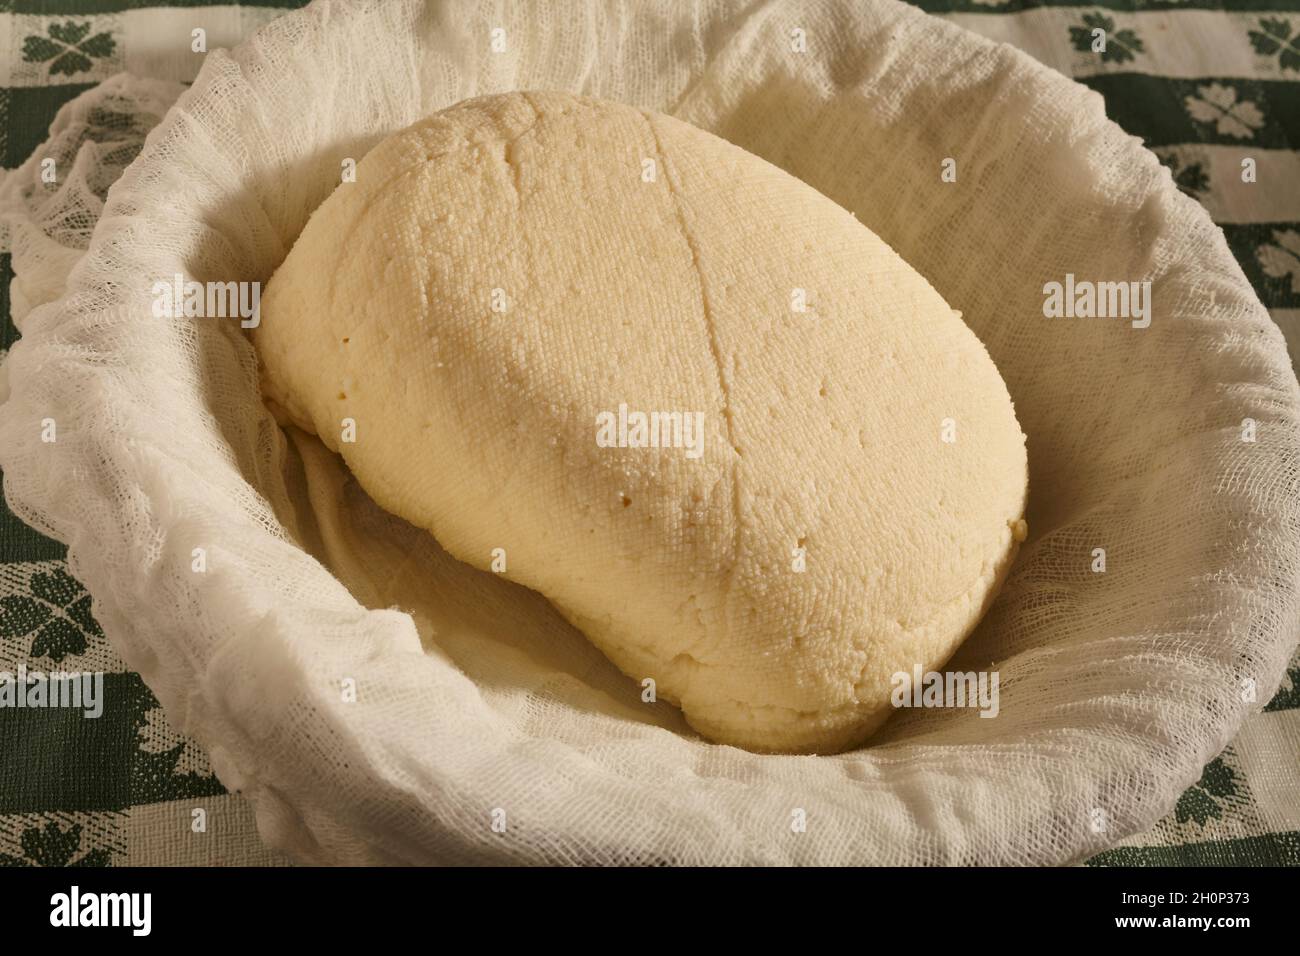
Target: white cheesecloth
{"x": 475, "y": 703}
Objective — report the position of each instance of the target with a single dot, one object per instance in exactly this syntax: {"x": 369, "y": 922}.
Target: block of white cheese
{"x": 716, "y": 421}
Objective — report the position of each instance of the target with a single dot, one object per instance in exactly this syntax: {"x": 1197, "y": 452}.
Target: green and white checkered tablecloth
{"x": 1205, "y": 83}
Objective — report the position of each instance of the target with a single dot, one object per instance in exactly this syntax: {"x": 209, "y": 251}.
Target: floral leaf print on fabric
{"x": 55, "y": 613}
{"x": 54, "y": 846}
{"x": 1119, "y": 46}
{"x": 1278, "y": 37}
{"x": 68, "y": 48}
{"x": 1218, "y": 104}
{"x": 1191, "y": 179}
{"x": 1281, "y": 258}
{"x": 181, "y": 754}
{"x": 1205, "y": 799}
{"x": 166, "y": 765}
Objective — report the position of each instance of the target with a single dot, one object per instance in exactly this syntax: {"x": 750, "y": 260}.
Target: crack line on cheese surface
{"x": 508, "y": 148}
{"x": 712, "y": 336}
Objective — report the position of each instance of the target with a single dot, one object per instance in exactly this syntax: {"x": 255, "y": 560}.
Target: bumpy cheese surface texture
{"x": 504, "y": 276}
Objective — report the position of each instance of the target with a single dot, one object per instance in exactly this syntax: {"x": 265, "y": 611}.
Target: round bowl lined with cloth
{"x": 380, "y": 703}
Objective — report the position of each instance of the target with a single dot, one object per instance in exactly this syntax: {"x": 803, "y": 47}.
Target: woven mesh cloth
{"x": 485, "y": 729}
